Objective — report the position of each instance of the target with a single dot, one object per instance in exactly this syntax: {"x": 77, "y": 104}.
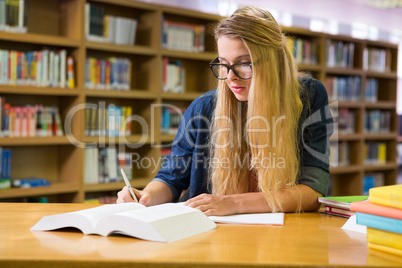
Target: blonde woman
{"x": 260, "y": 142}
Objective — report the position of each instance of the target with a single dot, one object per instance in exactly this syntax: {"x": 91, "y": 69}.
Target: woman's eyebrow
{"x": 238, "y": 57}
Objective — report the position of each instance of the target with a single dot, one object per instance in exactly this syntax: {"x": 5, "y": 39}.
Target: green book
{"x": 341, "y": 201}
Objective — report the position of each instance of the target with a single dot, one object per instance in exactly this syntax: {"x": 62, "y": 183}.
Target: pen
{"x": 128, "y": 185}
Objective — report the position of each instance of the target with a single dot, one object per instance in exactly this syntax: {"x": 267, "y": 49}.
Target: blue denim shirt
{"x": 187, "y": 165}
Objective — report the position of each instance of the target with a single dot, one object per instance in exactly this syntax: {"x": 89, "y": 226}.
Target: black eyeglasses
{"x": 243, "y": 70}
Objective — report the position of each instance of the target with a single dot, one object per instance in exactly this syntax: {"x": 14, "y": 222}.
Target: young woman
{"x": 260, "y": 142}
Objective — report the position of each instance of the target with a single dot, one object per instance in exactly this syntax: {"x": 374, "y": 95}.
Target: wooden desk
{"x": 310, "y": 240}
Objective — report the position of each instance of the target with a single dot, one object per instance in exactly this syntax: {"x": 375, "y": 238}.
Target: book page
{"x": 255, "y": 218}
{"x": 84, "y": 220}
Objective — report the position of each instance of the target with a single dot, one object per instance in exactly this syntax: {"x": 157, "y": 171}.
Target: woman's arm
{"x": 255, "y": 202}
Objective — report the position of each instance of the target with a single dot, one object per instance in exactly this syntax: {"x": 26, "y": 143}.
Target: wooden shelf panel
{"x": 204, "y": 56}
{"x": 344, "y": 170}
{"x": 380, "y": 167}
{"x": 115, "y": 186}
{"x": 116, "y": 140}
{"x": 40, "y": 39}
{"x": 346, "y": 137}
{"x": 28, "y": 141}
{"x": 53, "y": 189}
{"x": 386, "y": 75}
{"x": 347, "y": 104}
{"x": 129, "y": 3}
{"x": 130, "y": 94}
{"x": 381, "y": 105}
{"x": 126, "y": 49}
{"x": 344, "y": 71}
{"x": 190, "y": 96}
{"x": 32, "y": 90}
{"x": 381, "y": 136}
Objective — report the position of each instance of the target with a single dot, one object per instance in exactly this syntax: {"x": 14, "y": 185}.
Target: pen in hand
{"x": 130, "y": 189}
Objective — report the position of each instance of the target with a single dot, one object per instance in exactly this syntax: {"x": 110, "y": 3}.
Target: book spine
{"x": 385, "y": 249}
{"x": 384, "y": 238}
{"x": 379, "y": 222}
{"x": 386, "y": 199}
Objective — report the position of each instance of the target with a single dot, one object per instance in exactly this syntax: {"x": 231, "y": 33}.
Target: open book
{"x": 163, "y": 223}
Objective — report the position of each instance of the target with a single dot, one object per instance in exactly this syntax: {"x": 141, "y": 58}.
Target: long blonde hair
{"x": 239, "y": 145}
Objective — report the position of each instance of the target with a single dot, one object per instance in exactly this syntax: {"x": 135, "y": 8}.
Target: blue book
{"x": 379, "y": 222}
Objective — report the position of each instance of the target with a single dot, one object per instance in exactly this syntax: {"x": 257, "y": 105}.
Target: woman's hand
{"x": 214, "y": 205}
{"x": 124, "y": 196}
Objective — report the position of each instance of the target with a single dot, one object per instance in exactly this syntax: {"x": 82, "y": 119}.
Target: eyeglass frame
{"x": 229, "y": 67}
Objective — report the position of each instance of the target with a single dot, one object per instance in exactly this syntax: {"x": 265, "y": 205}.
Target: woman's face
{"x": 231, "y": 51}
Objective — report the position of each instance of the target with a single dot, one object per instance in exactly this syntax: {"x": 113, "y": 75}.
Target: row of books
{"x": 13, "y": 16}
{"x": 102, "y": 165}
{"x": 346, "y": 121}
{"x": 170, "y": 120}
{"x": 112, "y": 73}
{"x": 377, "y": 121}
{"x": 346, "y": 88}
{"x": 375, "y": 153}
{"x": 112, "y": 121}
{"x": 29, "y": 121}
{"x": 107, "y": 28}
{"x": 183, "y": 36}
{"x": 376, "y": 59}
{"x": 371, "y": 92}
{"x": 174, "y": 76}
{"x": 382, "y": 214}
{"x": 339, "y": 54}
{"x": 5, "y": 168}
{"x": 45, "y": 68}
{"x": 304, "y": 50}
{"x": 339, "y": 156}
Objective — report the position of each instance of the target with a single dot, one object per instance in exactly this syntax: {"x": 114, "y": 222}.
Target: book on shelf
{"x": 173, "y": 76}
{"x": 101, "y": 165}
{"x": 377, "y": 121}
{"x": 371, "y": 92}
{"x": 339, "y": 54}
{"x": 343, "y": 88}
{"x": 375, "y": 153}
{"x": 171, "y": 117}
{"x": 371, "y": 181}
{"x": 390, "y": 195}
{"x": 377, "y": 59}
{"x": 183, "y": 36}
{"x": 108, "y": 74}
{"x": 339, "y": 205}
{"x": 5, "y": 168}
{"x": 13, "y": 16}
{"x": 29, "y": 121}
{"x": 30, "y": 182}
{"x": 100, "y": 27}
{"x": 112, "y": 121}
{"x": 304, "y": 51}
{"x": 162, "y": 223}
{"x": 43, "y": 68}
{"x": 339, "y": 156}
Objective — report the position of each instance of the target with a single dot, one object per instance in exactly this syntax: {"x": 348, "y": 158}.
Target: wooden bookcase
{"x": 60, "y": 24}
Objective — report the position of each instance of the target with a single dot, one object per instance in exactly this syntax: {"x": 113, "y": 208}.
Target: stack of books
{"x": 382, "y": 214}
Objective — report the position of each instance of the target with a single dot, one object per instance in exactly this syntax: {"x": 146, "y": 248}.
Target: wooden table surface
{"x": 306, "y": 240}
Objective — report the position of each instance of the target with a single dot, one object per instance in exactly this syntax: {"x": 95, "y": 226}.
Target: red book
{"x": 339, "y": 211}
{"x": 379, "y": 210}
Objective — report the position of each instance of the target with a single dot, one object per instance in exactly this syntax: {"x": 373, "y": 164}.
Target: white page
{"x": 256, "y": 218}
{"x": 351, "y": 225}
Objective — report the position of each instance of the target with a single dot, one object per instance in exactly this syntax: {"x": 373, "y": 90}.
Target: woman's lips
{"x": 238, "y": 89}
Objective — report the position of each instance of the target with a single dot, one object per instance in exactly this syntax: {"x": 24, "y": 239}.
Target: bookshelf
{"x": 62, "y": 25}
